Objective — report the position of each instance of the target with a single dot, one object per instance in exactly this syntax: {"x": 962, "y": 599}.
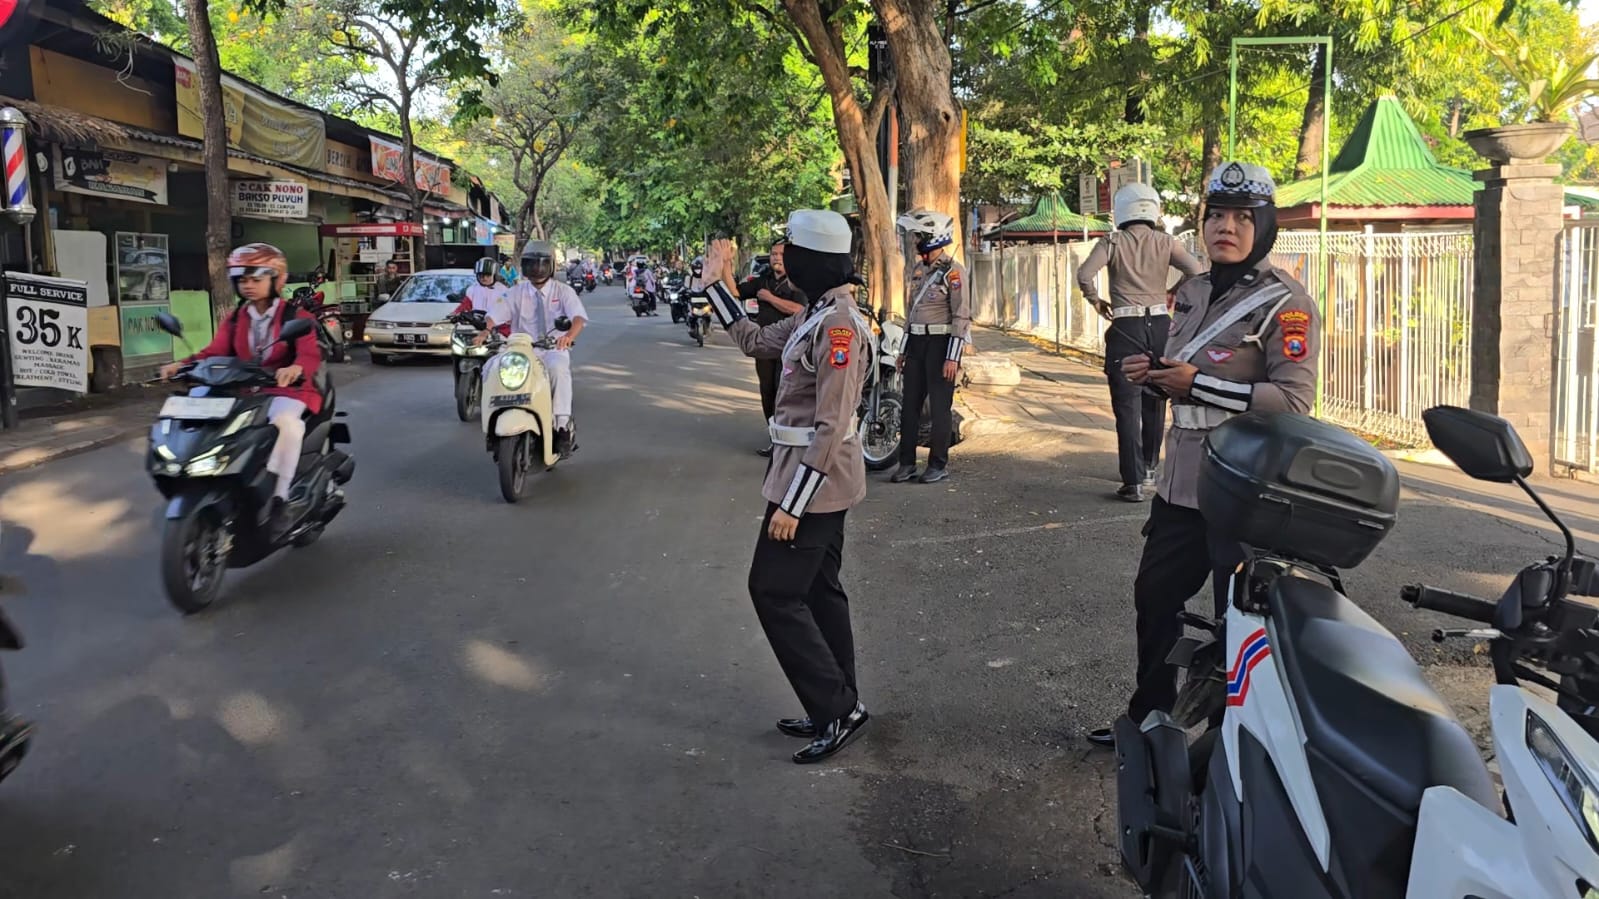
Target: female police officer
{"x": 1246, "y": 337}
{"x": 816, "y": 474}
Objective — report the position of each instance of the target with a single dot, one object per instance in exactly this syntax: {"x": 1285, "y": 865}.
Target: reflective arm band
{"x": 728, "y": 308}
{"x": 807, "y": 482}
{"x": 1234, "y": 396}
{"x": 956, "y": 347}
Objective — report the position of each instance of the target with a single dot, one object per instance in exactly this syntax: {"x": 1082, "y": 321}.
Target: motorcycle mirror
{"x": 563, "y": 323}
{"x": 1483, "y": 446}
{"x": 169, "y": 323}
{"x": 294, "y": 330}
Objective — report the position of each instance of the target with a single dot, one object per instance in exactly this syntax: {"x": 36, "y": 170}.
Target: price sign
{"x": 48, "y": 320}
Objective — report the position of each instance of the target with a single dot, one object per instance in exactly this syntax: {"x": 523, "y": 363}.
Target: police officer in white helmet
{"x": 816, "y": 474}
{"x": 1140, "y": 258}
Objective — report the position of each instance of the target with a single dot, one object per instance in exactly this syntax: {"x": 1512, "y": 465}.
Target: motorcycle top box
{"x": 1291, "y": 485}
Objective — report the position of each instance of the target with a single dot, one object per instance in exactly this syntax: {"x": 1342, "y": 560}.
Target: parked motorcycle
{"x": 519, "y": 413}
{"x": 208, "y": 455}
{"x": 699, "y": 317}
{"x": 882, "y": 396}
{"x": 1335, "y": 770}
{"x": 15, "y": 733}
{"x": 332, "y": 336}
{"x": 467, "y": 361}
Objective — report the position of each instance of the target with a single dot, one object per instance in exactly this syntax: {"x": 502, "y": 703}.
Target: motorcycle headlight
{"x": 513, "y": 371}
{"x": 478, "y": 350}
{"x": 459, "y": 345}
{"x": 208, "y": 463}
{"x": 1568, "y": 779}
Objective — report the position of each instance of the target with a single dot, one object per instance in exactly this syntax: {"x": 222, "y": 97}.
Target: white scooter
{"x": 1335, "y": 770}
{"x": 519, "y": 412}
{"x": 882, "y": 396}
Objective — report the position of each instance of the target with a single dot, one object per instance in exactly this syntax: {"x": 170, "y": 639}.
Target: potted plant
{"x": 1553, "y": 83}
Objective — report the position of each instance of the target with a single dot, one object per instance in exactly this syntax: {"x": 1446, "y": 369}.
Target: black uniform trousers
{"x": 805, "y": 612}
{"x": 924, "y": 381}
{"x": 1140, "y": 415}
{"x": 1180, "y": 554}
{"x": 767, "y": 371}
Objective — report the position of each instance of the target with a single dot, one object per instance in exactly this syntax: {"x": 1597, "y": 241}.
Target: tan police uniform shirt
{"x": 1140, "y": 259}
{"x": 825, "y": 352}
{"x": 939, "y": 296}
{"x": 1265, "y": 361}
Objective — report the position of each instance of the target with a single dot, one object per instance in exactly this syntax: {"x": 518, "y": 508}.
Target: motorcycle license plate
{"x": 512, "y": 399}
{"x": 196, "y": 408}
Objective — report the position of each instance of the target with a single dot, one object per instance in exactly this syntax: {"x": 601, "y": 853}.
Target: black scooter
{"x": 469, "y": 358}
{"x": 642, "y": 303}
{"x": 208, "y": 456}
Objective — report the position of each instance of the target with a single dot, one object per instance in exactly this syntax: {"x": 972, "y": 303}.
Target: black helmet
{"x": 698, "y": 265}
{"x": 538, "y": 261}
{"x": 485, "y": 266}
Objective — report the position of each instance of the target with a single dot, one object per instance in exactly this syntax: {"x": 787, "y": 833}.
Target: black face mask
{"x": 1224, "y": 275}
{"x": 816, "y": 273}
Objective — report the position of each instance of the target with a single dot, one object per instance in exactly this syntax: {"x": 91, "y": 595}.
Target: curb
{"x": 72, "y": 449}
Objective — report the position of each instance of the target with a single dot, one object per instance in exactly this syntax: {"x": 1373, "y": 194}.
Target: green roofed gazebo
{"x": 1052, "y": 219}
{"x": 1385, "y": 173}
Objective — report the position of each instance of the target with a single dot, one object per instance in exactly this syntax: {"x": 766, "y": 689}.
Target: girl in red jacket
{"x": 259, "y": 271}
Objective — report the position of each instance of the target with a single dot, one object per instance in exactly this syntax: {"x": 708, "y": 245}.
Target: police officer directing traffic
{"x": 938, "y": 327}
{"x": 816, "y": 474}
{"x": 1140, "y": 258}
{"x": 1247, "y": 335}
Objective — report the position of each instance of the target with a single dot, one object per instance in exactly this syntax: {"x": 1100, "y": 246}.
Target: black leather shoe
{"x": 933, "y": 475}
{"x": 765, "y": 452}
{"x": 796, "y": 727}
{"x": 903, "y": 473}
{"x": 1103, "y": 737}
{"x": 835, "y": 736}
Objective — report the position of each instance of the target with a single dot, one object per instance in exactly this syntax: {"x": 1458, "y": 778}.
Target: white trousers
{"x": 284, "y": 413}
{"x": 559, "y": 365}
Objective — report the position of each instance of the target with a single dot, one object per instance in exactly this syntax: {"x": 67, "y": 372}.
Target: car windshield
{"x": 426, "y": 288}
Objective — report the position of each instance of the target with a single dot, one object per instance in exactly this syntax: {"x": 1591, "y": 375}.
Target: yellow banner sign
{"x": 256, "y": 123}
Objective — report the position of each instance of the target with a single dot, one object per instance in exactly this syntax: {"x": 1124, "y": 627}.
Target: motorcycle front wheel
{"x": 193, "y": 560}
{"x": 468, "y": 396}
{"x": 513, "y": 453}
{"x": 880, "y": 435}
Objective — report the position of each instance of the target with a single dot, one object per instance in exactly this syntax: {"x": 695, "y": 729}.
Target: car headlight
{"x": 443, "y": 327}
{"x": 513, "y": 371}
{"x": 380, "y": 326}
{"x": 1569, "y": 780}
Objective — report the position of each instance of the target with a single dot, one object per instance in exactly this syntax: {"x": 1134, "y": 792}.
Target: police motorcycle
{"x": 1330, "y": 768}
{"x": 467, "y": 359}
{"x": 208, "y": 456}
{"x": 882, "y": 394}
{"x": 15, "y": 733}
{"x": 519, "y": 412}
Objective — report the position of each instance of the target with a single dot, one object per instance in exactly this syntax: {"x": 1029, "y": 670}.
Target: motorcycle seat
{"x": 1364, "y": 703}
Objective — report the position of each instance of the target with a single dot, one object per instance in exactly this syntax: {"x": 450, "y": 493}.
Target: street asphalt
{"x": 449, "y": 696}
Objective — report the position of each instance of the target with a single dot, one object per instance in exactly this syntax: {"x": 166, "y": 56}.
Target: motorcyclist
{"x": 486, "y": 294}
{"x": 648, "y": 276}
{"x": 507, "y": 273}
{"x": 531, "y": 307}
{"x": 258, "y": 272}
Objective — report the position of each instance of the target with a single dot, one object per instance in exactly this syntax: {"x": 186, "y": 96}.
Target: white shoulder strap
{"x": 1231, "y": 317}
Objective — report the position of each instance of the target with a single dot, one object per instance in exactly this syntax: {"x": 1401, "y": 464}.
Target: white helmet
{"x": 936, "y": 228}
{"x": 1136, "y": 203}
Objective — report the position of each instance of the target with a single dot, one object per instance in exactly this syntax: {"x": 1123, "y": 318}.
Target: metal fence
{"x": 1576, "y": 425}
{"x": 1396, "y": 338}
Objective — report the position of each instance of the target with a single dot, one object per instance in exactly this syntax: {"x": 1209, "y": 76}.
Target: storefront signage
{"x": 272, "y": 199}
{"x": 256, "y": 123}
{"x": 48, "y": 321}
{"x": 351, "y": 162}
{"x": 110, "y": 173}
{"x": 143, "y": 341}
{"x": 388, "y": 161}
{"x": 376, "y": 229}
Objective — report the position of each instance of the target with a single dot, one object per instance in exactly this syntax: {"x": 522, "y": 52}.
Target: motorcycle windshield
{"x": 227, "y": 371}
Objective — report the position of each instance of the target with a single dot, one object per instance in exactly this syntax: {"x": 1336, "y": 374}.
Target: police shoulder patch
{"x": 1294, "y": 322}
{"x": 840, "y": 340}
{"x": 954, "y": 280}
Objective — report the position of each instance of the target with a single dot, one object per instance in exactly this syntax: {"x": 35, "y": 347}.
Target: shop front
{"x": 357, "y": 256}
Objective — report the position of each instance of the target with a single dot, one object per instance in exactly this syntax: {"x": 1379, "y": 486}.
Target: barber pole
{"x": 14, "y": 149}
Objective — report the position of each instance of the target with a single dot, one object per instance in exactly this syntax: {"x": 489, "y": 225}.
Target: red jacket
{"x": 233, "y": 339}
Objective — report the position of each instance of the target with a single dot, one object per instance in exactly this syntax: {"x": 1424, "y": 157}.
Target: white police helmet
{"x": 1136, "y": 203}
{"x": 936, "y": 228}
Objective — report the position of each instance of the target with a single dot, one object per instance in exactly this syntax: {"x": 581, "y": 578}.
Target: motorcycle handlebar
{"x": 1449, "y": 602}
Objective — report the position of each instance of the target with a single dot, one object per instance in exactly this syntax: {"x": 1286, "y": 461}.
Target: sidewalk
{"x": 1062, "y": 393}
{"x": 94, "y": 421}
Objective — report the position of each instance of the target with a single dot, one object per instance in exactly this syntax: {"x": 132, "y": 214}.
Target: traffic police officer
{"x": 1140, "y": 258}
{"x": 1247, "y": 335}
{"x": 938, "y": 327}
{"x": 816, "y": 474}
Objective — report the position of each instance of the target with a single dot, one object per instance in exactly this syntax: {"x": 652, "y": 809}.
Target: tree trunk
{"x": 214, "y": 152}
{"x": 884, "y": 269}
{"x": 408, "y": 171}
{"x": 1210, "y": 158}
{"x": 1315, "y": 111}
{"x": 1137, "y": 61}
{"x": 930, "y": 120}
{"x": 1455, "y": 107}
